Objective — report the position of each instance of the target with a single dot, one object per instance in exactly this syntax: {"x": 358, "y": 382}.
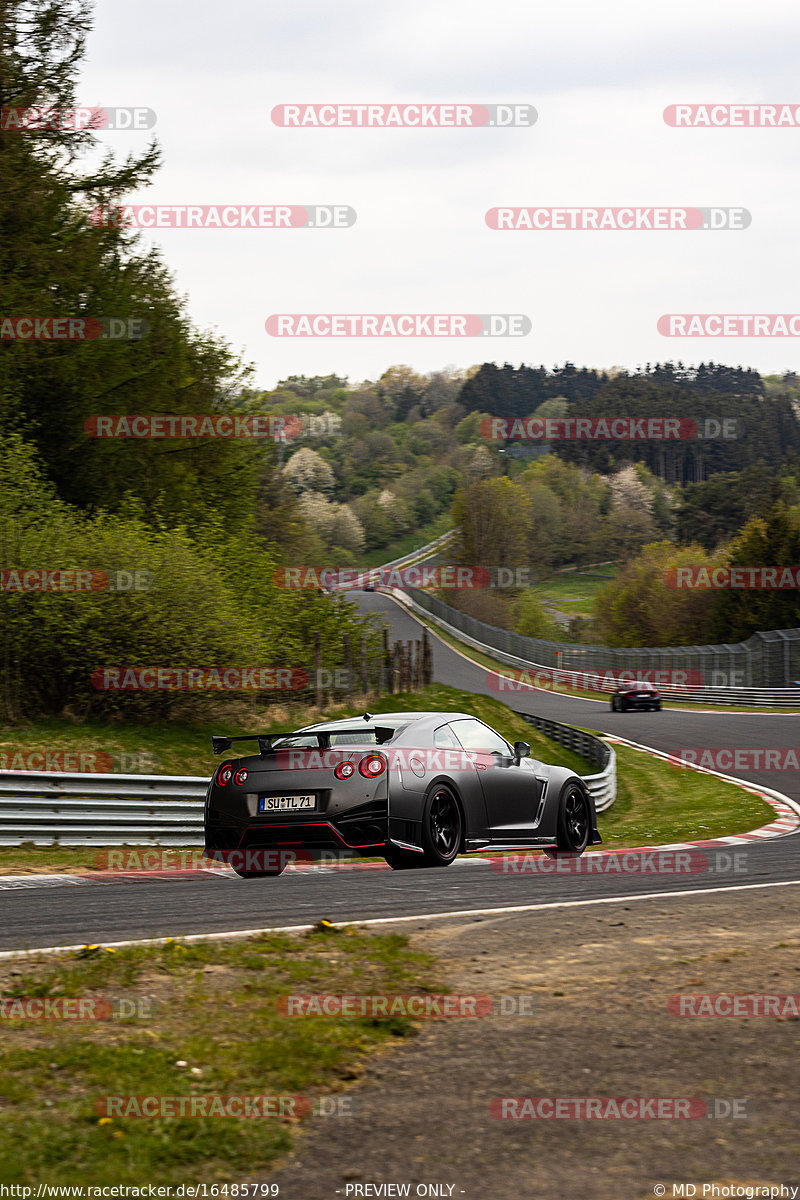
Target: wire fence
{"x": 765, "y": 660}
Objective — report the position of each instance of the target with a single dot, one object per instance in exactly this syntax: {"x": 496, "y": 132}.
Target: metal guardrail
{"x": 749, "y": 697}
{"x": 44, "y": 809}
{"x": 755, "y": 697}
{"x": 104, "y": 810}
{"x": 407, "y": 560}
{"x": 421, "y": 551}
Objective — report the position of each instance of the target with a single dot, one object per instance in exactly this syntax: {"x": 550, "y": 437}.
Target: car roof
{"x": 384, "y": 719}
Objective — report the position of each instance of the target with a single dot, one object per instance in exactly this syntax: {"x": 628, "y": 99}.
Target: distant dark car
{"x": 417, "y": 788}
{"x": 640, "y": 699}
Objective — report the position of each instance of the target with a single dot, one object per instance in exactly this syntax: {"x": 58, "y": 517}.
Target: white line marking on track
{"x": 464, "y": 912}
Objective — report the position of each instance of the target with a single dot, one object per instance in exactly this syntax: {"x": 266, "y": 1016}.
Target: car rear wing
{"x": 220, "y": 744}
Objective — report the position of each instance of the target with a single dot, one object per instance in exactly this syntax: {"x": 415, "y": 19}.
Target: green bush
{"x": 206, "y": 599}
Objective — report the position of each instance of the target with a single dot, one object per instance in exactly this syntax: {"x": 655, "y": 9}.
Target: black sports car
{"x": 643, "y": 698}
{"x": 417, "y": 788}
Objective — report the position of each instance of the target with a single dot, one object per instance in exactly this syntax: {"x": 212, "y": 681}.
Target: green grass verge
{"x": 211, "y": 1006}
{"x": 660, "y": 803}
{"x": 574, "y": 592}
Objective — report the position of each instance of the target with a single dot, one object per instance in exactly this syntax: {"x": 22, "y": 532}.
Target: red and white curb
{"x": 787, "y": 811}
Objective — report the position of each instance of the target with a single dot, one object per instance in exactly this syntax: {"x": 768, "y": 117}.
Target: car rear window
{"x": 370, "y": 736}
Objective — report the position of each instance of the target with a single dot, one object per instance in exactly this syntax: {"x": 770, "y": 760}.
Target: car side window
{"x": 443, "y": 739}
{"x": 474, "y": 735}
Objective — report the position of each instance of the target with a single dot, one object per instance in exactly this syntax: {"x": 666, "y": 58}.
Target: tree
{"x": 60, "y": 258}
{"x": 469, "y": 429}
{"x": 771, "y": 541}
{"x": 544, "y": 548}
{"x": 714, "y": 511}
{"x": 640, "y": 608}
{"x": 496, "y": 518}
{"x": 629, "y": 490}
{"x": 307, "y": 471}
{"x": 534, "y": 621}
{"x": 397, "y": 511}
{"x": 336, "y": 524}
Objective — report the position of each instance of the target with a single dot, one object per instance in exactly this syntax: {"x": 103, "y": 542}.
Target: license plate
{"x": 285, "y": 803}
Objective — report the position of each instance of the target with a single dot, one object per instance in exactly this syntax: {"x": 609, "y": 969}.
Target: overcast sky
{"x": 599, "y": 76}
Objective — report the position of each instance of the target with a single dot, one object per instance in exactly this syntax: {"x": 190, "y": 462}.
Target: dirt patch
{"x": 597, "y": 983}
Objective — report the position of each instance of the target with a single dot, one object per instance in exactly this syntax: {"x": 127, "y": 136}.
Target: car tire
{"x": 404, "y": 860}
{"x": 613, "y": 703}
{"x": 224, "y": 856}
{"x": 574, "y": 820}
{"x": 257, "y": 874}
{"x": 442, "y": 827}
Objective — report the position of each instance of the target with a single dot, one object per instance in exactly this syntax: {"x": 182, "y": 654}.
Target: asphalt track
{"x": 113, "y": 912}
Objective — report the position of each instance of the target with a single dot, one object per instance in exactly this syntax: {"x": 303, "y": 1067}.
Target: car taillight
{"x": 372, "y": 766}
{"x": 224, "y": 774}
{"x": 344, "y": 770}
{"x": 240, "y": 776}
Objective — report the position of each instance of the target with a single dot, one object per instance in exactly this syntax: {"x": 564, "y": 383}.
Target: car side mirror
{"x": 521, "y": 750}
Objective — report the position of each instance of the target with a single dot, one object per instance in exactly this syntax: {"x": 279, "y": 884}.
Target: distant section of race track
{"x": 668, "y": 730}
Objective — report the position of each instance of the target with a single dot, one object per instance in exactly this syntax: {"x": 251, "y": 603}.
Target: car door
{"x": 469, "y": 785}
{"x": 511, "y": 790}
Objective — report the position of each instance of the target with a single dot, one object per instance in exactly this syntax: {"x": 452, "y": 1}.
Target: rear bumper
{"x": 363, "y": 828}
